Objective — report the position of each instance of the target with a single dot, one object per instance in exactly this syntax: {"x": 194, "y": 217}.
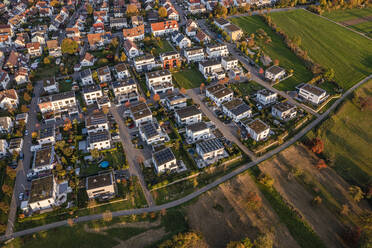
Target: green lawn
{"x": 364, "y": 27}
{"x": 330, "y": 45}
{"x": 188, "y": 78}
{"x": 277, "y": 50}
{"x": 348, "y": 14}
{"x": 347, "y": 138}
{"x": 248, "y": 88}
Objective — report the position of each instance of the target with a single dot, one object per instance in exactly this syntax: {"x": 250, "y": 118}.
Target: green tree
{"x": 356, "y": 193}
{"x": 26, "y": 97}
{"x": 265, "y": 240}
{"x": 95, "y": 153}
{"x": 89, "y": 9}
{"x": 329, "y": 75}
{"x": 69, "y": 46}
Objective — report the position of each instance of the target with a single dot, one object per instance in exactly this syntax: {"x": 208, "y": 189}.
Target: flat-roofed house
{"x": 8, "y": 99}
{"x": 257, "y": 129}
{"x": 47, "y": 135}
{"x": 44, "y": 159}
{"x": 104, "y": 74}
{"x": 164, "y": 160}
{"x": 88, "y": 60}
{"x": 221, "y": 23}
{"x": 15, "y": 145}
{"x": 212, "y": 69}
{"x": 101, "y": 186}
{"x": 34, "y": 49}
{"x": 58, "y": 103}
{"x": 197, "y": 131}
{"x": 284, "y": 111}
{"x": 274, "y": 73}
{"x": 96, "y": 121}
{"x": 237, "y": 109}
{"x": 313, "y": 93}
{"x": 188, "y": 115}
{"x": 86, "y": 77}
{"x": 194, "y": 54}
{"x": 219, "y": 94}
{"x": 99, "y": 140}
{"x": 6, "y": 124}
{"x": 144, "y": 63}
{"x": 140, "y": 113}
{"x": 229, "y": 62}
{"x": 266, "y": 97}
{"x": 125, "y": 90}
{"x": 122, "y": 71}
{"x": 234, "y": 32}
{"x": 159, "y": 81}
{"x": 3, "y": 148}
{"x": 217, "y": 50}
{"x": 170, "y": 59}
{"x": 210, "y": 149}
{"x": 175, "y": 101}
{"x": 43, "y": 193}
{"x": 50, "y": 85}
{"x": 92, "y": 93}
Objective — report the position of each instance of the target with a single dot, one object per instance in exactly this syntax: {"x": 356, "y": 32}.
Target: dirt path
{"x": 220, "y": 215}
{"x": 357, "y": 21}
{"x": 143, "y": 224}
{"x": 144, "y": 239}
{"x": 324, "y": 223}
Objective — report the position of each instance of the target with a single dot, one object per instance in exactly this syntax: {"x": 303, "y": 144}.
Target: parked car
{"x": 21, "y": 195}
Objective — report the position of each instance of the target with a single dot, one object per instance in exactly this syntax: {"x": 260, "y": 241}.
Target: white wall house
{"x": 212, "y": 69}
{"x": 140, "y": 113}
{"x": 50, "y": 85}
{"x": 284, "y": 111}
{"x": 99, "y": 140}
{"x": 6, "y": 124}
{"x": 266, "y": 97}
{"x": 56, "y": 102}
{"x": 151, "y": 133}
{"x": 194, "y": 54}
{"x": 96, "y": 122}
{"x": 312, "y": 93}
{"x": 43, "y": 193}
{"x": 122, "y": 71}
{"x": 44, "y": 159}
{"x": 188, "y": 115}
{"x": 257, "y": 129}
{"x": 181, "y": 40}
{"x": 104, "y": 74}
{"x": 175, "y": 101}
{"x": 86, "y": 77}
{"x": 3, "y": 148}
{"x": 131, "y": 49}
{"x": 229, "y": 63}
{"x": 216, "y": 51}
{"x": 101, "y": 186}
{"x": 197, "y": 131}
{"x": 164, "y": 160}
{"x": 210, "y": 149}
{"x": 47, "y": 135}
{"x": 144, "y": 63}
{"x": 125, "y": 90}
{"x": 219, "y": 94}
{"x": 91, "y": 93}
{"x": 274, "y": 73}
{"x": 237, "y": 109}
{"x": 159, "y": 81}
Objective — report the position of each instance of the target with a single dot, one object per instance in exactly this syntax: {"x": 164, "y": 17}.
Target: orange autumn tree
{"x": 68, "y": 125}
{"x": 321, "y": 164}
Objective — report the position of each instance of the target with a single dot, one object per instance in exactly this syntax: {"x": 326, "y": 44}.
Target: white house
{"x": 86, "y": 77}
{"x": 274, "y": 73}
{"x": 43, "y": 193}
{"x": 8, "y": 99}
{"x": 159, "y": 81}
{"x": 221, "y": 23}
{"x": 175, "y": 101}
{"x": 101, "y": 186}
{"x": 15, "y": 145}
{"x": 44, "y": 159}
{"x": 122, "y": 71}
{"x": 104, "y": 74}
{"x": 229, "y": 63}
{"x": 88, "y": 60}
{"x": 140, "y": 113}
{"x": 50, "y": 85}
{"x": 257, "y": 129}
{"x": 210, "y": 149}
{"x": 194, "y": 54}
{"x": 197, "y": 131}
{"x": 47, "y": 135}
{"x": 237, "y": 109}
{"x": 21, "y": 76}
{"x": 96, "y": 122}
{"x": 188, "y": 115}
{"x": 181, "y": 40}
{"x": 6, "y": 124}
{"x": 217, "y": 50}
{"x": 151, "y": 133}
{"x": 164, "y": 160}
{"x": 219, "y": 94}
{"x": 312, "y": 93}
{"x": 61, "y": 102}
{"x": 3, "y": 148}
{"x": 4, "y": 79}
{"x": 164, "y": 27}
{"x": 99, "y": 140}
{"x": 144, "y": 63}
{"x": 125, "y": 90}
{"x": 212, "y": 69}
{"x": 131, "y": 49}
{"x": 284, "y": 111}
{"x": 91, "y": 93}
{"x": 266, "y": 97}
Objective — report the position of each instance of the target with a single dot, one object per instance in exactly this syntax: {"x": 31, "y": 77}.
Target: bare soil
{"x": 323, "y": 221}
{"x": 221, "y": 216}
{"x": 357, "y": 21}
{"x": 144, "y": 239}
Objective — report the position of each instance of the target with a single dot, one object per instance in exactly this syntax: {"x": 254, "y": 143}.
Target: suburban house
{"x": 122, "y": 71}
{"x": 202, "y": 37}
{"x": 86, "y": 77}
{"x": 175, "y": 101}
{"x": 217, "y": 50}
{"x": 229, "y": 62}
{"x": 170, "y": 59}
{"x": 96, "y": 121}
{"x": 44, "y": 159}
{"x": 194, "y": 54}
{"x": 140, "y": 113}
{"x": 197, "y": 131}
{"x": 6, "y": 124}
{"x": 15, "y": 145}
{"x": 91, "y": 93}
{"x": 144, "y": 63}
{"x": 34, "y": 49}
{"x": 266, "y": 97}
{"x": 164, "y": 27}
{"x": 136, "y": 20}
{"x": 118, "y": 22}
{"x": 284, "y": 111}
{"x": 197, "y": 9}
{"x": 210, "y": 149}
{"x": 188, "y": 115}
{"x": 21, "y": 76}
{"x": 98, "y": 40}
{"x": 234, "y": 32}
{"x": 53, "y": 48}
{"x": 4, "y": 79}
{"x": 8, "y": 99}
{"x": 212, "y": 69}
{"x": 88, "y": 60}
{"x": 46, "y": 135}
{"x": 237, "y": 109}
{"x": 43, "y": 193}
{"x": 257, "y": 129}
{"x": 159, "y": 81}
{"x": 104, "y": 74}
{"x": 100, "y": 140}
{"x": 151, "y": 133}
{"x": 181, "y": 40}
{"x": 135, "y": 33}
{"x": 219, "y": 94}
{"x": 312, "y": 93}
{"x": 274, "y": 73}
{"x": 50, "y": 85}
{"x": 54, "y": 105}
{"x": 221, "y": 23}
{"x": 131, "y": 49}
{"x": 3, "y": 148}
{"x": 125, "y": 90}
{"x": 164, "y": 160}
{"x": 191, "y": 28}
{"x": 101, "y": 186}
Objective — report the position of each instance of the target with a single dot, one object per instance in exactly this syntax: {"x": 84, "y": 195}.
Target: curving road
{"x": 205, "y": 188}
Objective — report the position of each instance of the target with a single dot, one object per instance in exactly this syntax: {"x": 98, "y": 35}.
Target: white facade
{"x": 229, "y": 63}
{"x": 57, "y": 102}
{"x": 312, "y": 93}
{"x": 274, "y": 73}
{"x": 219, "y": 94}
{"x": 43, "y": 194}
{"x": 212, "y": 69}
{"x": 188, "y": 115}
{"x": 284, "y": 111}
{"x": 3, "y": 148}
{"x": 194, "y": 134}
{"x": 216, "y": 51}
{"x": 266, "y": 97}
{"x": 159, "y": 81}
{"x": 146, "y": 63}
{"x": 169, "y": 164}
{"x": 258, "y": 130}
{"x": 92, "y": 96}
{"x": 99, "y": 140}
{"x": 194, "y": 54}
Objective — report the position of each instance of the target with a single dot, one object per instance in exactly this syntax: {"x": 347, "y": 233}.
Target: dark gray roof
{"x": 163, "y": 156}
{"x": 96, "y": 118}
{"x": 99, "y": 181}
{"x": 221, "y": 21}
{"x": 265, "y": 92}
{"x": 160, "y": 73}
{"x": 187, "y": 112}
{"x": 196, "y": 127}
{"x": 44, "y": 156}
{"x": 99, "y": 136}
{"x": 211, "y": 62}
{"x": 91, "y": 88}
{"x": 85, "y": 73}
{"x": 41, "y": 189}
{"x": 283, "y": 106}
{"x": 275, "y": 69}
{"x": 122, "y": 83}
{"x": 46, "y": 131}
{"x": 210, "y": 145}
{"x": 313, "y": 89}
{"x": 149, "y": 129}
{"x": 57, "y": 97}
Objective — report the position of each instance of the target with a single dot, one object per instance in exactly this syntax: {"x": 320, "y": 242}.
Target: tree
{"x": 46, "y": 61}
{"x": 182, "y": 240}
{"x": 317, "y": 200}
{"x": 356, "y": 193}
{"x": 29, "y": 87}
{"x": 156, "y": 97}
{"x": 148, "y": 94}
{"x": 4, "y": 207}
{"x": 68, "y": 125}
{"x": 26, "y": 97}
{"x": 132, "y": 9}
{"x": 69, "y": 46}
{"x": 95, "y": 153}
{"x": 245, "y": 243}
{"x": 266, "y": 180}
{"x": 89, "y": 9}
{"x": 202, "y": 87}
{"x": 114, "y": 42}
{"x": 344, "y": 209}
{"x": 321, "y": 164}
{"x": 162, "y": 12}
{"x": 7, "y": 189}
{"x": 254, "y": 201}
{"x": 317, "y": 146}
{"x": 183, "y": 91}
{"x": 220, "y": 11}
{"x": 265, "y": 240}
{"x": 24, "y": 109}
{"x": 276, "y": 62}
{"x": 329, "y": 75}
{"x": 142, "y": 99}
{"x": 123, "y": 57}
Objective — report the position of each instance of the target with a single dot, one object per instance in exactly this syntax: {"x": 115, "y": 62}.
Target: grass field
{"x": 347, "y": 138}
{"x": 188, "y": 78}
{"x": 348, "y": 14}
{"x": 330, "y": 45}
{"x": 277, "y": 50}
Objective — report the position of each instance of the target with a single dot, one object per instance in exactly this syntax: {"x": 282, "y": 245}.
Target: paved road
{"x": 131, "y": 154}
{"x": 205, "y": 188}
{"x": 226, "y": 130}
{"x": 21, "y": 183}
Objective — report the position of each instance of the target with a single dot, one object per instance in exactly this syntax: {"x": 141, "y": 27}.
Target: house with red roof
{"x": 164, "y": 27}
